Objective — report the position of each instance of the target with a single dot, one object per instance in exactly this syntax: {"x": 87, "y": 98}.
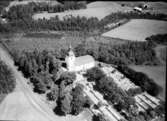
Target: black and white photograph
{"x": 80, "y": 60}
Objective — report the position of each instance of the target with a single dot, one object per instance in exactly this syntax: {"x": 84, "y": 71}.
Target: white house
{"x": 81, "y": 63}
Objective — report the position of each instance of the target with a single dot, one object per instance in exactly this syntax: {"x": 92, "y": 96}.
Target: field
{"x": 52, "y": 41}
{"x": 94, "y": 9}
{"x": 157, "y": 73}
{"x": 138, "y": 29}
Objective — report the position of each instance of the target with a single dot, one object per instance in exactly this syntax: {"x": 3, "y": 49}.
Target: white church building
{"x": 81, "y": 63}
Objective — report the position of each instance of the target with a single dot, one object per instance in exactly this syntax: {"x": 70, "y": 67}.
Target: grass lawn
{"x": 157, "y": 73}
{"x": 138, "y": 29}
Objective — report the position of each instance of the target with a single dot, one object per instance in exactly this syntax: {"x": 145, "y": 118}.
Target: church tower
{"x": 70, "y": 60}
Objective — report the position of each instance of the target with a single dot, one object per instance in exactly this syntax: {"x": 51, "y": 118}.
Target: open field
{"x": 157, "y": 73}
{"x": 44, "y": 41}
{"x": 138, "y": 29}
{"x": 94, "y": 9}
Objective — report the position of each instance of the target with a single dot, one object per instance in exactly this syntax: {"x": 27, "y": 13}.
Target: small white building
{"x": 81, "y": 63}
{"x": 138, "y": 9}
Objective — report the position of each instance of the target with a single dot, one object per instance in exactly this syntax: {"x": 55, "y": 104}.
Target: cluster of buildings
{"x": 145, "y": 101}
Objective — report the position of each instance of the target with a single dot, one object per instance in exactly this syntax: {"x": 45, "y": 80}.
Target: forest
{"x": 122, "y": 54}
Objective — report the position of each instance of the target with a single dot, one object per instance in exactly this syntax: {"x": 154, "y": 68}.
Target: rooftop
{"x": 83, "y": 60}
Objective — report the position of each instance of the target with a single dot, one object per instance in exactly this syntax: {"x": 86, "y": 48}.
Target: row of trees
{"x": 7, "y": 80}
{"x": 67, "y": 5}
{"x": 114, "y": 17}
{"x": 119, "y": 54}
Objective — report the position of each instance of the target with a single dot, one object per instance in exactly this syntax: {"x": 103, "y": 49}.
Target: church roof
{"x": 83, "y": 60}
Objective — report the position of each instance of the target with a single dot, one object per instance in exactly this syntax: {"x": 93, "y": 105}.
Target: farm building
{"x": 78, "y": 63}
{"x": 138, "y": 9}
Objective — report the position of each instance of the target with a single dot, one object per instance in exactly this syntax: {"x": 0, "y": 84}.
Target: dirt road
{"x": 24, "y": 104}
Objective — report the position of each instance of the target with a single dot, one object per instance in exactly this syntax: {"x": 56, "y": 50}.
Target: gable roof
{"x": 83, "y": 60}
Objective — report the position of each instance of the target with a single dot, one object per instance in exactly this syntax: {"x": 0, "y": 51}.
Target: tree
{"x": 53, "y": 94}
{"x": 94, "y": 74}
{"x": 98, "y": 117}
{"x": 39, "y": 86}
{"x": 78, "y": 101}
{"x": 67, "y": 77}
{"x": 66, "y": 104}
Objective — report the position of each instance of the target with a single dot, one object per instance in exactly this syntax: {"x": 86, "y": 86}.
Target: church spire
{"x": 70, "y": 51}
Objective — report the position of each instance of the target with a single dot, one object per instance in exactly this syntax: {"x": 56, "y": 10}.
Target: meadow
{"x": 52, "y": 41}
{"x": 138, "y": 29}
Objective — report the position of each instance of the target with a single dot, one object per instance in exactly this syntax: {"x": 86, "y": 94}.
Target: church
{"x": 81, "y": 63}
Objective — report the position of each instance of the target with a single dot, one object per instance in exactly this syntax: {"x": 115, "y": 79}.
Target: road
{"x": 24, "y": 104}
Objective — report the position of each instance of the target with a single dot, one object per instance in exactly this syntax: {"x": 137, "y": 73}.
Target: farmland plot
{"x": 138, "y": 29}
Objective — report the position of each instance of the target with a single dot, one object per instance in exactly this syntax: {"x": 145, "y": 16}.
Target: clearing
{"x": 138, "y": 29}
{"x": 157, "y": 73}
